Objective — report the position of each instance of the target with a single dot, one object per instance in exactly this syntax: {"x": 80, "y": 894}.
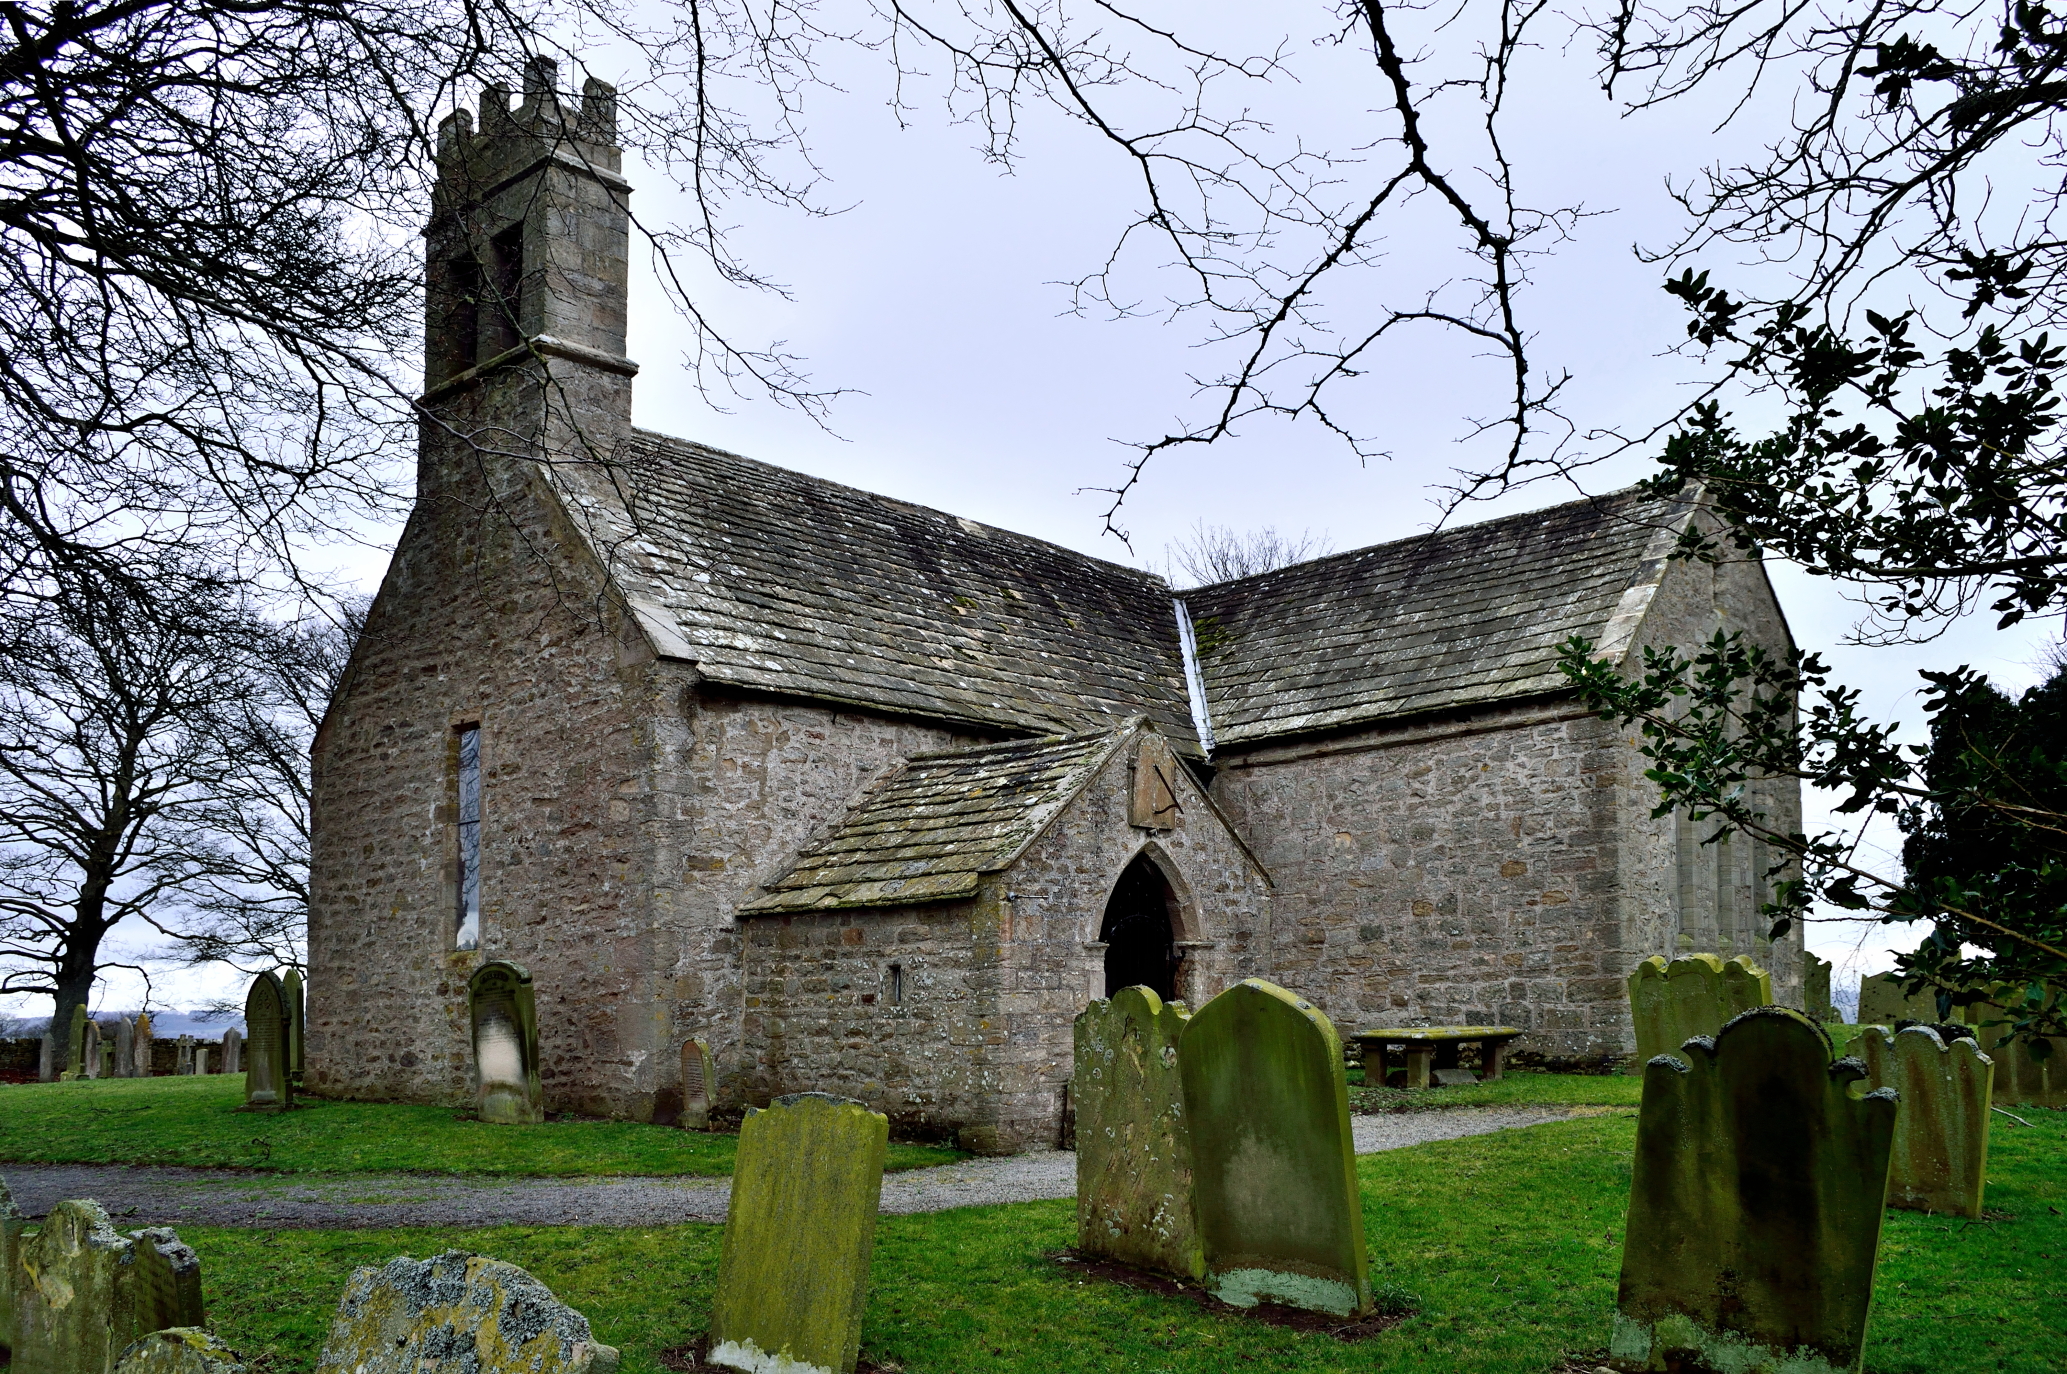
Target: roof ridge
{"x": 1427, "y": 536}
{"x": 901, "y": 503}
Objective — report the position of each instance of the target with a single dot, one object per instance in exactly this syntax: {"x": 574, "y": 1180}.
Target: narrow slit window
{"x": 467, "y": 916}
{"x": 896, "y": 985}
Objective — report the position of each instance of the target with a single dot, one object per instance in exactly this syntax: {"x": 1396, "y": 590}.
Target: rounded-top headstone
{"x": 1134, "y": 1187}
{"x": 504, "y": 1014}
{"x": 1273, "y": 1160}
{"x": 265, "y": 1052}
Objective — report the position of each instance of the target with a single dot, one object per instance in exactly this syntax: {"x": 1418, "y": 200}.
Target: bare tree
{"x": 114, "y": 779}
{"x": 1217, "y": 553}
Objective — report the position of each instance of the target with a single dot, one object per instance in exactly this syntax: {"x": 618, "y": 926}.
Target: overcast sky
{"x": 932, "y": 298}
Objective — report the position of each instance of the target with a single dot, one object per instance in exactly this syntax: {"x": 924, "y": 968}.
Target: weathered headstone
{"x": 2020, "y": 1075}
{"x": 75, "y": 1043}
{"x": 793, "y": 1272}
{"x": 1882, "y": 1002}
{"x": 179, "y": 1350}
{"x": 46, "y": 1059}
{"x": 457, "y": 1312}
{"x": 89, "y": 1051}
{"x": 107, "y": 1058}
{"x": 1815, "y": 989}
{"x": 699, "y": 1076}
{"x": 142, "y": 1064}
{"x": 12, "y": 1223}
{"x": 125, "y": 1048}
{"x": 232, "y": 1051}
{"x": 83, "y": 1292}
{"x": 1940, "y": 1157}
{"x": 297, "y": 1022}
{"x": 184, "y": 1062}
{"x": 1133, "y": 1148}
{"x": 1696, "y": 994}
{"x": 265, "y": 1068}
{"x": 1755, "y": 1205}
{"x": 1273, "y": 1162}
{"x": 201, "y": 1058}
{"x": 505, "y": 1021}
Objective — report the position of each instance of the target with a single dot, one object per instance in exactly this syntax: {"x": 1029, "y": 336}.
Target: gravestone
{"x": 793, "y": 1272}
{"x": 179, "y": 1350}
{"x": 1273, "y": 1162}
{"x": 505, "y": 1021}
{"x": 201, "y": 1056}
{"x": 125, "y": 1048}
{"x": 46, "y": 1059}
{"x": 75, "y": 1044}
{"x": 1882, "y": 1002}
{"x": 265, "y": 1068}
{"x": 12, "y": 1223}
{"x": 1940, "y": 1157}
{"x": 184, "y": 1063}
{"x": 457, "y": 1312}
{"x": 1695, "y": 994}
{"x": 1133, "y": 1149}
{"x": 89, "y": 1051}
{"x": 2021, "y": 1076}
{"x": 1815, "y": 989}
{"x": 141, "y": 1066}
{"x": 83, "y": 1292}
{"x": 699, "y": 1074}
{"x": 297, "y": 1022}
{"x": 107, "y": 1058}
{"x": 1755, "y": 1205}
{"x": 232, "y": 1051}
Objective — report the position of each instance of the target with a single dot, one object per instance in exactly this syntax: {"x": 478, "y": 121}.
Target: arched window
{"x": 1139, "y": 932}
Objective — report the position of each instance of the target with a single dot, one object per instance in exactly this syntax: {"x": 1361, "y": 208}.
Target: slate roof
{"x": 1461, "y": 617}
{"x": 772, "y": 579}
{"x": 931, "y": 830}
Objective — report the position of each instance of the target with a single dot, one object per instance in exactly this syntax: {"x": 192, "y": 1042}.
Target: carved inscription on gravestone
{"x": 1273, "y": 1161}
{"x": 1755, "y": 1206}
{"x": 1133, "y": 1144}
{"x": 793, "y": 1273}
{"x": 1694, "y": 995}
{"x": 265, "y": 1067}
{"x": 457, "y": 1312}
{"x": 1940, "y": 1157}
{"x": 699, "y": 1076}
{"x": 505, "y": 1033}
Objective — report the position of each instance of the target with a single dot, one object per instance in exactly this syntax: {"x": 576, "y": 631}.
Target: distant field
{"x": 193, "y": 1121}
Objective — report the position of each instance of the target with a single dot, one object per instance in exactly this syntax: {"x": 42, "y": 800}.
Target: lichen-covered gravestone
{"x": 1273, "y": 1162}
{"x": 699, "y": 1075}
{"x": 295, "y": 995}
{"x": 1882, "y": 1001}
{"x": 1755, "y": 1205}
{"x": 183, "y": 1055}
{"x": 140, "y": 1067}
{"x": 179, "y": 1350}
{"x": 83, "y": 1293}
{"x": 505, "y": 1021}
{"x": 12, "y": 1224}
{"x": 457, "y": 1314}
{"x": 1133, "y": 1146}
{"x": 1940, "y": 1158}
{"x": 266, "y": 1087}
{"x": 793, "y": 1272}
{"x": 89, "y": 1051}
{"x": 125, "y": 1048}
{"x": 1695, "y": 994}
{"x": 1815, "y": 989}
{"x": 107, "y": 1058}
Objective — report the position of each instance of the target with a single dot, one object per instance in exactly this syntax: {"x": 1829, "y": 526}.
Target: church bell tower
{"x": 527, "y": 272}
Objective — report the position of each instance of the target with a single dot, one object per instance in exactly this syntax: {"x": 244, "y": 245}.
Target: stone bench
{"x": 1432, "y": 1048}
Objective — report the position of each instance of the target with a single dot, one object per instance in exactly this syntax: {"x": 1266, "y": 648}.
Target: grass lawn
{"x": 193, "y": 1121}
{"x": 1511, "y": 1241}
{"x": 1517, "y": 1089}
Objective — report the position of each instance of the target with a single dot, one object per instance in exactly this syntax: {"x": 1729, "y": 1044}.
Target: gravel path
{"x": 155, "y": 1196}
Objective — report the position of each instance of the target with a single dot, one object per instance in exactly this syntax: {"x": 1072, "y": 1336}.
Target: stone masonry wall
{"x": 1448, "y": 873}
{"x": 979, "y": 1045}
{"x": 475, "y": 624}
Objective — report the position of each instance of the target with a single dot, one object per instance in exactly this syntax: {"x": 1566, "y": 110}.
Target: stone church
{"x": 873, "y": 799}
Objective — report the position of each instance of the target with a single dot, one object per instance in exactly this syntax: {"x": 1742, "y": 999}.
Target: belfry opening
{"x": 1139, "y": 932}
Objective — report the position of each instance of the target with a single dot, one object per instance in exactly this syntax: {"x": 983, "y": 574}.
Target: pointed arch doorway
{"x": 1140, "y": 931}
